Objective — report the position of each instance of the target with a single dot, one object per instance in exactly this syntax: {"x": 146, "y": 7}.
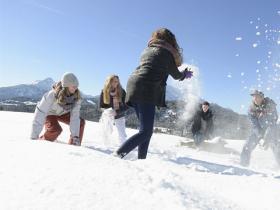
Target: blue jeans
{"x": 269, "y": 136}
{"x": 198, "y": 138}
{"x": 145, "y": 114}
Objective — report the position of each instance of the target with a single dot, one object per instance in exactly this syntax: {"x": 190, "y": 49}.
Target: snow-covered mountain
{"x": 34, "y": 90}
{"x": 172, "y": 93}
{"x": 24, "y": 97}
{"x": 45, "y": 175}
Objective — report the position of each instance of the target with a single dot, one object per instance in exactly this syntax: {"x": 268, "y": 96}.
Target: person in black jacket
{"x": 146, "y": 87}
{"x": 202, "y": 125}
{"x": 113, "y": 96}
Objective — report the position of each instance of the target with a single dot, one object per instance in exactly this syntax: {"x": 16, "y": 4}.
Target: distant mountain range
{"x": 228, "y": 124}
{"x": 35, "y": 91}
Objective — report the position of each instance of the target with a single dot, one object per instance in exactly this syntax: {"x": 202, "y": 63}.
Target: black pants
{"x": 145, "y": 114}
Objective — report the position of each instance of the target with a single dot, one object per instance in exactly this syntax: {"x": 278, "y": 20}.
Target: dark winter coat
{"x": 197, "y": 122}
{"x": 122, "y": 106}
{"x": 147, "y": 84}
{"x": 264, "y": 115}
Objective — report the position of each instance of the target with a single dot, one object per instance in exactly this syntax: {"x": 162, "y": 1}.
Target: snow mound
{"x": 45, "y": 175}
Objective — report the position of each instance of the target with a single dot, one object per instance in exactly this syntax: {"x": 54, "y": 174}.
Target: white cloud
{"x": 46, "y": 8}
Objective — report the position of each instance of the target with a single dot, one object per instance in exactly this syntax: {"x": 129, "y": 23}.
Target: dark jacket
{"x": 123, "y": 107}
{"x": 264, "y": 115}
{"x": 197, "y": 122}
{"x": 147, "y": 83}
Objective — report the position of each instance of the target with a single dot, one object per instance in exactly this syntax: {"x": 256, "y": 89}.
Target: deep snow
{"x": 45, "y": 175}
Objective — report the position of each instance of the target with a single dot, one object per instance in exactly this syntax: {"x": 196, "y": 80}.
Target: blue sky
{"x": 44, "y": 38}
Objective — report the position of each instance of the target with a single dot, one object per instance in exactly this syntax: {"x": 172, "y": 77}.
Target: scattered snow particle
{"x": 229, "y": 76}
{"x": 257, "y": 71}
{"x": 242, "y": 74}
{"x": 258, "y": 33}
{"x": 238, "y": 38}
{"x": 259, "y": 19}
{"x": 237, "y": 55}
{"x": 278, "y": 42}
{"x": 278, "y": 12}
{"x": 268, "y": 88}
{"x": 257, "y": 27}
{"x": 255, "y": 45}
{"x": 269, "y": 52}
{"x": 258, "y": 62}
{"x": 251, "y": 22}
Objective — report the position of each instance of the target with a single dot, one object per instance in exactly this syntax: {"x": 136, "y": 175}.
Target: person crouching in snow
{"x": 263, "y": 116}
{"x": 146, "y": 87}
{"x": 61, "y": 104}
{"x": 112, "y": 102}
{"x": 202, "y": 125}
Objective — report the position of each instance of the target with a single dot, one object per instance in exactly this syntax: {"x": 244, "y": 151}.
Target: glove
{"x": 187, "y": 74}
{"x": 76, "y": 141}
{"x": 264, "y": 144}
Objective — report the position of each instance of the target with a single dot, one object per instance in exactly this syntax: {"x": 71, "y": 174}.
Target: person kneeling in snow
{"x": 202, "y": 125}
{"x": 63, "y": 104}
{"x": 112, "y": 102}
{"x": 263, "y": 116}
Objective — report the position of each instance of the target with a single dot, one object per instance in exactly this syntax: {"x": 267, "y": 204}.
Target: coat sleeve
{"x": 41, "y": 112}
{"x": 102, "y": 105}
{"x": 75, "y": 119}
{"x": 173, "y": 70}
{"x": 271, "y": 113}
{"x": 124, "y": 105}
{"x": 101, "y": 102}
{"x": 254, "y": 119}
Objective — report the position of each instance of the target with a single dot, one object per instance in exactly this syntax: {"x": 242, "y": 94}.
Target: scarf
{"x": 163, "y": 44}
{"x": 116, "y": 102}
{"x": 68, "y": 103}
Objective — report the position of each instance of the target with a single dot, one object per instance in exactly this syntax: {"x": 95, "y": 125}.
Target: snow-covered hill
{"x": 33, "y": 91}
{"x": 45, "y": 175}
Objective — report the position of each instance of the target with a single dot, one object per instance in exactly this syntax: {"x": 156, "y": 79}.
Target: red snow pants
{"x": 53, "y": 129}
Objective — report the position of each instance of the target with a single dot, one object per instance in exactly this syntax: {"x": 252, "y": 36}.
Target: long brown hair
{"x": 62, "y": 92}
{"x": 165, "y": 35}
{"x": 107, "y": 88}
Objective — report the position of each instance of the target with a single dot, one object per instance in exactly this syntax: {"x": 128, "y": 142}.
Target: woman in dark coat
{"x": 146, "y": 87}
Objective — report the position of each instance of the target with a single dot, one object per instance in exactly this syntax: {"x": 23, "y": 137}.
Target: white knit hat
{"x": 69, "y": 79}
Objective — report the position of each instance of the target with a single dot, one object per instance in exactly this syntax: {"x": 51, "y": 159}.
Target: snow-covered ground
{"x": 44, "y": 175}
